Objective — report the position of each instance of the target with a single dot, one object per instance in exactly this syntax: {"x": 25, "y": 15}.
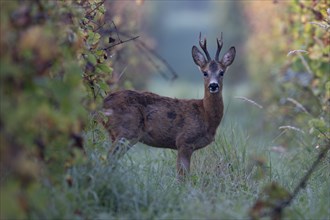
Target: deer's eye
{"x": 221, "y": 73}
{"x": 205, "y": 74}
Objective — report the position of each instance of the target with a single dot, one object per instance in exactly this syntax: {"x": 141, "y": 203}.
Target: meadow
{"x": 226, "y": 178}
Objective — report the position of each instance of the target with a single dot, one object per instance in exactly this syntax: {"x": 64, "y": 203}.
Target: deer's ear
{"x": 198, "y": 57}
{"x": 229, "y": 57}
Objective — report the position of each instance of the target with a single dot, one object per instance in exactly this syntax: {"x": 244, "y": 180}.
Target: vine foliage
{"x": 54, "y": 71}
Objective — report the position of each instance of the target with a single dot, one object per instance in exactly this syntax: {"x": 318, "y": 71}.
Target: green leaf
{"x": 91, "y": 58}
{"x": 103, "y": 85}
{"x": 318, "y": 124}
{"x": 104, "y": 68}
{"x": 93, "y": 38}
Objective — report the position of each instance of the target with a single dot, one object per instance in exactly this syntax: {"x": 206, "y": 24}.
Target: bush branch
{"x": 278, "y": 209}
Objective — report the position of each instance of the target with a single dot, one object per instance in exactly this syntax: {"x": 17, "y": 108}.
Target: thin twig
{"x": 321, "y": 25}
{"x": 300, "y": 106}
{"x": 120, "y": 42}
{"x": 324, "y": 134}
{"x": 96, "y": 8}
{"x": 282, "y": 132}
{"x": 291, "y": 128}
{"x": 142, "y": 46}
{"x": 155, "y": 54}
{"x": 99, "y": 27}
{"x": 159, "y": 57}
{"x": 249, "y": 101}
{"x": 305, "y": 64}
{"x": 299, "y": 53}
{"x": 116, "y": 31}
{"x": 302, "y": 183}
{"x": 304, "y": 180}
{"x": 293, "y": 52}
{"x": 153, "y": 63}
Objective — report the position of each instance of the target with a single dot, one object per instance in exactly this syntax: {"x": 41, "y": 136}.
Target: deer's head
{"x": 213, "y": 70}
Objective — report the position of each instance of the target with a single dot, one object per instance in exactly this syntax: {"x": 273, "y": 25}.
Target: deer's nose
{"x": 214, "y": 87}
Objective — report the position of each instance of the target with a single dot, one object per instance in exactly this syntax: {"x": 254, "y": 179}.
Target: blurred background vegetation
{"x": 60, "y": 58}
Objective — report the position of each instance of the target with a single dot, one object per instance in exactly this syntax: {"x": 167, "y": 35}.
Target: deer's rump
{"x": 151, "y": 119}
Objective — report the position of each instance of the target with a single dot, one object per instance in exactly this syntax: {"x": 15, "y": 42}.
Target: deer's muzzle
{"x": 213, "y": 87}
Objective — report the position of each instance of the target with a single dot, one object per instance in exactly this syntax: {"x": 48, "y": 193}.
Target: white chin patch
{"x": 214, "y": 91}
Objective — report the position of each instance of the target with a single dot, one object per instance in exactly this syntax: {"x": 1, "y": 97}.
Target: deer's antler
{"x": 202, "y": 44}
{"x": 220, "y": 43}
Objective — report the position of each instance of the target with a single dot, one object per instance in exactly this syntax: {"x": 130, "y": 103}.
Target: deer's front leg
{"x": 183, "y": 162}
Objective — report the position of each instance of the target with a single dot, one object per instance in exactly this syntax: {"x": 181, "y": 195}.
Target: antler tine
{"x": 202, "y": 44}
{"x": 220, "y": 43}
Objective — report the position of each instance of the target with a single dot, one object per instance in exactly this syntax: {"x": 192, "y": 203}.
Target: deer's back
{"x": 153, "y": 119}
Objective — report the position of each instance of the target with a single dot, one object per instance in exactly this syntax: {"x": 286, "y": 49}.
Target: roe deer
{"x": 185, "y": 125}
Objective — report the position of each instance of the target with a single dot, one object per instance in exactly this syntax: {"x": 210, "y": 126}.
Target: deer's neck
{"x": 213, "y": 107}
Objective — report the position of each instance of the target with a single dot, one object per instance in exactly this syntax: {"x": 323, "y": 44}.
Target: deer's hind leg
{"x": 123, "y": 139}
{"x": 126, "y": 129}
{"x": 120, "y": 146}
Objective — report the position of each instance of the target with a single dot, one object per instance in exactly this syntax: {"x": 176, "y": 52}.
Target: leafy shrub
{"x": 52, "y": 74}
{"x": 295, "y": 64}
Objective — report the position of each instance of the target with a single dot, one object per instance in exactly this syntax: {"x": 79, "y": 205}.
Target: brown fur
{"x": 182, "y": 124}
{"x": 161, "y": 121}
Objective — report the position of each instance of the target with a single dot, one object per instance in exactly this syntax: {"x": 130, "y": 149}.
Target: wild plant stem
{"x": 278, "y": 209}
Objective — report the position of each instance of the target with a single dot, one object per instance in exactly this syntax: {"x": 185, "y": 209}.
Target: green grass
{"x": 226, "y": 179}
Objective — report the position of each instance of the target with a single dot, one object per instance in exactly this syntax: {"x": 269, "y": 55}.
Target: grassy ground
{"x": 225, "y": 181}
